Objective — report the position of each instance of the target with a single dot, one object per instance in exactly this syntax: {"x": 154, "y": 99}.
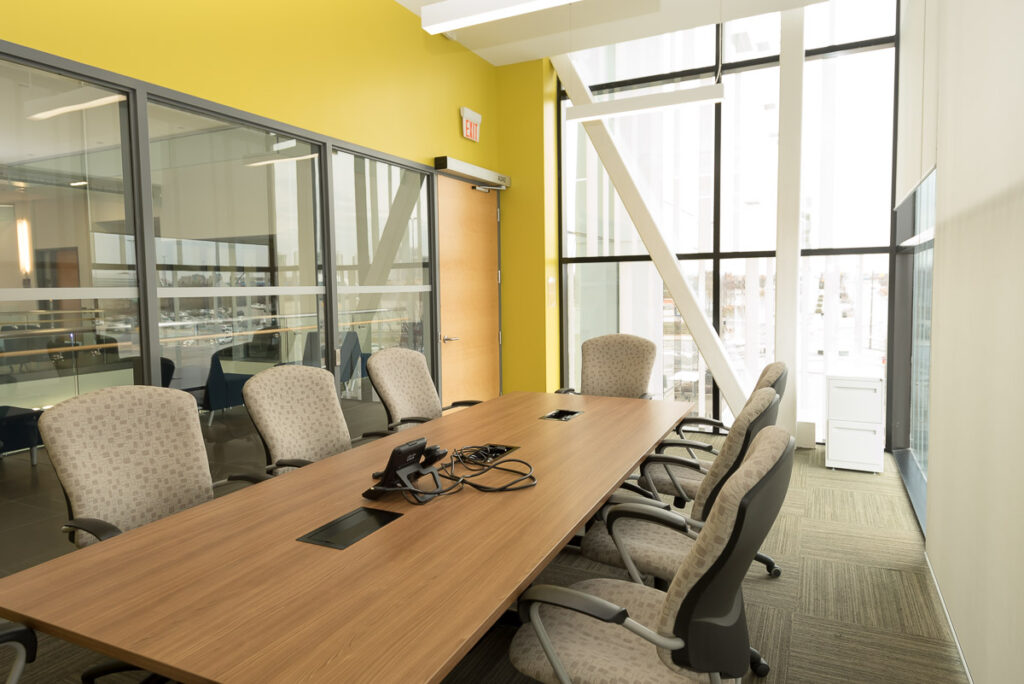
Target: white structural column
{"x": 787, "y": 254}
{"x": 707, "y": 340}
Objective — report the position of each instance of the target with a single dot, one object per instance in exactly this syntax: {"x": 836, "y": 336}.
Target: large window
{"x": 237, "y": 236}
{"x": 709, "y": 174}
{"x": 381, "y": 233}
{"x": 69, "y": 309}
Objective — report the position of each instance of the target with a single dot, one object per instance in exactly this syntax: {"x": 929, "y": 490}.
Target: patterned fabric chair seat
{"x": 656, "y": 549}
{"x": 594, "y": 651}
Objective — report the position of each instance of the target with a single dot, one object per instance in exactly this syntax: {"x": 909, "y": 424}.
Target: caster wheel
{"x": 761, "y": 669}
{"x": 775, "y": 571}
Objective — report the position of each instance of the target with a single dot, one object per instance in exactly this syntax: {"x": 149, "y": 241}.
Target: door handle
{"x": 449, "y": 339}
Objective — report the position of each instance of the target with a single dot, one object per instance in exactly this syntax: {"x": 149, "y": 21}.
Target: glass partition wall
{"x": 69, "y": 298}
{"x": 238, "y": 219}
{"x": 708, "y": 172}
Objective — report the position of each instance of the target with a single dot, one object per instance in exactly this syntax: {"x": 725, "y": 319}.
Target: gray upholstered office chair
{"x": 403, "y": 382}
{"x": 617, "y": 365}
{"x": 688, "y": 480}
{"x": 297, "y": 414}
{"x": 644, "y": 548}
{"x": 774, "y": 375}
{"x": 22, "y": 641}
{"x": 127, "y": 456}
{"x": 611, "y": 630}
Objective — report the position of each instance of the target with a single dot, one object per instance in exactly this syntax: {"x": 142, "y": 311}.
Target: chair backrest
{"x": 128, "y": 455}
{"x": 760, "y": 411}
{"x": 297, "y": 413}
{"x": 402, "y": 380}
{"x": 774, "y": 375}
{"x": 704, "y": 603}
{"x": 617, "y": 365}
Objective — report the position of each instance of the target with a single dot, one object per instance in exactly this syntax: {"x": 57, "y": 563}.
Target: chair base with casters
{"x": 23, "y": 641}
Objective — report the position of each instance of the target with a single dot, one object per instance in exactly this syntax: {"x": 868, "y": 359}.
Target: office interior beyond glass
{"x": 237, "y": 241}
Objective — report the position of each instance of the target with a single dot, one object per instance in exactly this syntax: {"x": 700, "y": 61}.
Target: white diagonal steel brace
{"x": 708, "y": 342}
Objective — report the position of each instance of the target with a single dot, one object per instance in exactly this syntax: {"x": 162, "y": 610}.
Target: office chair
{"x": 297, "y": 415}
{"x": 617, "y": 365}
{"x": 126, "y": 456}
{"x": 402, "y": 380}
{"x": 645, "y": 548}
{"x": 22, "y": 641}
{"x": 688, "y": 479}
{"x": 612, "y": 630}
{"x": 166, "y": 371}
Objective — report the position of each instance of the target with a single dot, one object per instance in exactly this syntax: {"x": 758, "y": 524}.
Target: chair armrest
{"x": 18, "y": 633}
{"x": 464, "y": 402}
{"x": 651, "y": 497}
{"x": 23, "y": 641}
{"x": 373, "y": 433}
{"x": 291, "y": 463}
{"x": 100, "y": 529}
{"x": 407, "y": 420}
{"x": 701, "y": 420}
{"x": 565, "y": 390}
{"x": 684, "y": 444}
{"x": 666, "y": 459}
{"x": 579, "y": 601}
{"x": 622, "y": 499}
{"x": 641, "y": 511}
{"x": 254, "y": 478}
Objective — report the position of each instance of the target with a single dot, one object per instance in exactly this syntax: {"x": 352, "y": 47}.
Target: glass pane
{"x": 630, "y": 298}
{"x": 235, "y": 214}
{"x": 750, "y": 154}
{"x": 844, "y": 303}
{"x": 748, "y": 314}
{"x": 381, "y": 230}
{"x": 662, "y": 54}
{"x": 62, "y": 226}
{"x": 671, "y": 154}
{"x": 845, "y": 21}
{"x": 921, "y": 327}
{"x": 751, "y": 37}
{"x": 847, "y": 150}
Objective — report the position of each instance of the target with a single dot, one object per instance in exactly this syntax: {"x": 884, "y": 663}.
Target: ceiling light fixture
{"x": 24, "y": 248}
{"x": 643, "y": 103}
{"x": 48, "y": 111}
{"x": 281, "y": 160}
{"x": 78, "y": 184}
{"x": 449, "y": 15}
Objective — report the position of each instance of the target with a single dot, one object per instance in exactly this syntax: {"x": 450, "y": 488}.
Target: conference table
{"x": 224, "y": 592}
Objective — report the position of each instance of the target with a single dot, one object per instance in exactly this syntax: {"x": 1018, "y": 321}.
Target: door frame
{"x": 435, "y": 314}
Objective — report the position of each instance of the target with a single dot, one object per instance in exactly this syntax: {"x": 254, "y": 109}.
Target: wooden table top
{"x": 224, "y": 592}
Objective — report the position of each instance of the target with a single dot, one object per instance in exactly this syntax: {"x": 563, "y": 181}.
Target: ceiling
{"x": 593, "y": 23}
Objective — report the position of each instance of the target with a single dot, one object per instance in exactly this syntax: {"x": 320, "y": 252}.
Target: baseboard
{"x": 949, "y": 620}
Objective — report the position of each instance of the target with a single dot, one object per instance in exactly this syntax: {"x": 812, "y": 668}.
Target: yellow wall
{"x": 362, "y": 71}
{"x": 359, "y": 70}
{"x": 529, "y": 215}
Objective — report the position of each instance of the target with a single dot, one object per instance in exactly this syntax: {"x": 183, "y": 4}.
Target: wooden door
{"x": 469, "y": 291}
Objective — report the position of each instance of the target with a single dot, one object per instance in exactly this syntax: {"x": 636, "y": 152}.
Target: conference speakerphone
{"x": 350, "y": 528}
{"x": 561, "y": 414}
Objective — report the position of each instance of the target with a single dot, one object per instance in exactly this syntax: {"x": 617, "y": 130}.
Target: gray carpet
{"x": 855, "y": 602}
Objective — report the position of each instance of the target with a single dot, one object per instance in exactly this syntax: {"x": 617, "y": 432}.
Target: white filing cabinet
{"x": 855, "y": 430}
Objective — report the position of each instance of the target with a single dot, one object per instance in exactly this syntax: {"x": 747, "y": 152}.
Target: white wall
{"x": 976, "y": 470}
{"x": 916, "y": 144}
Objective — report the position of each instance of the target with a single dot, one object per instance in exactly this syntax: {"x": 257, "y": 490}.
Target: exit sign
{"x": 470, "y": 124}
